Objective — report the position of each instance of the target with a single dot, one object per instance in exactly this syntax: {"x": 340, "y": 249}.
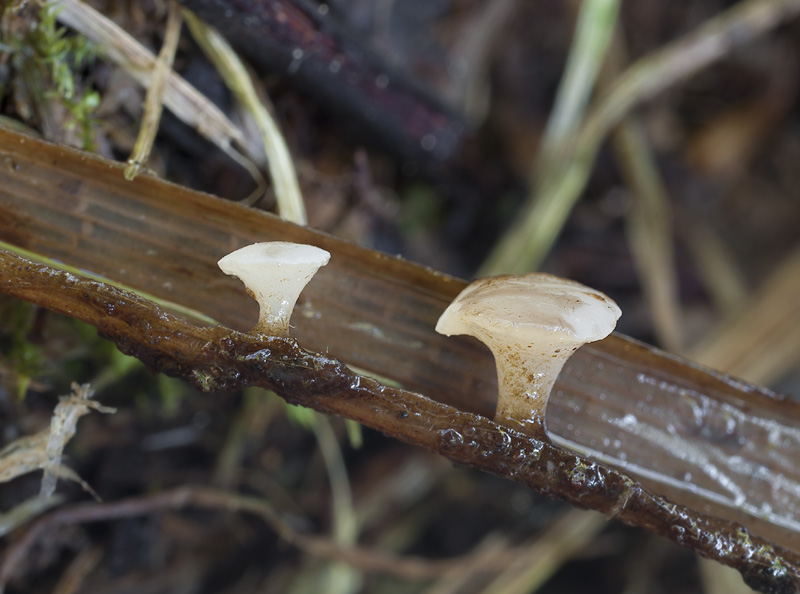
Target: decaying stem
{"x": 321, "y": 57}
{"x": 222, "y": 359}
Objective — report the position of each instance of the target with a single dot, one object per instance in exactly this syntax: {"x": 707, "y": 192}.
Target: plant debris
{"x": 43, "y": 451}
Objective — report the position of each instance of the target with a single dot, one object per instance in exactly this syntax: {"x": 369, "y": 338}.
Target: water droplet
{"x": 451, "y": 439}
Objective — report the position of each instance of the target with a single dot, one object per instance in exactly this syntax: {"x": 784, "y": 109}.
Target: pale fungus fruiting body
{"x": 274, "y": 273}
{"x": 532, "y": 324}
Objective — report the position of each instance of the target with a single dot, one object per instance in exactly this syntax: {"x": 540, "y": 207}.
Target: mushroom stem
{"x": 532, "y": 324}
{"x": 524, "y": 382}
{"x": 274, "y": 274}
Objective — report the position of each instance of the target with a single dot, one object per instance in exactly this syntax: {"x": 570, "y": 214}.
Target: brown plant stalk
{"x": 220, "y": 359}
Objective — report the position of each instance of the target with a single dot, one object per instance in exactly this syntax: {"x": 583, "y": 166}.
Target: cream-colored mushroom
{"x": 532, "y": 324}
{"x": 274, "y": 274}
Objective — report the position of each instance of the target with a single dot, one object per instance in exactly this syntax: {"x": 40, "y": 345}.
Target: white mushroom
{"x": 274, "y": 274}
{"x": 532, "y": 324}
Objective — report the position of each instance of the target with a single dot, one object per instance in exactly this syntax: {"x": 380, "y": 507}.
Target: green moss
{"x": 422, "y": 209}
{"x": 47, "y": 60}
{"x": 172, "y": 392}
{"x": 23, "y": 358}
{"x": 204, "y": 380}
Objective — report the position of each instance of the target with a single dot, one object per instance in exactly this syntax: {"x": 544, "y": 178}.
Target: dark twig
{"x": 221, "y": 359}
{"x": 322, "y": 57}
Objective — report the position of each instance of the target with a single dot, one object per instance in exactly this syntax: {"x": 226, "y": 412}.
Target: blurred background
{"x": 451, "y": 132}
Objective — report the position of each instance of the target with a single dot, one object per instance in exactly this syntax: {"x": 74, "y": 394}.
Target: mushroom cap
{"x": 524, "y": 309}
{"x": 251, "y": 259}
{"x": 274, "y": 274}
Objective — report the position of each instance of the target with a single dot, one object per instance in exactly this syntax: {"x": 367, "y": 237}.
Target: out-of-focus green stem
{"x": 525, "y": 245}
{"x": 154, "y": 101}
{"x": 594, "y": 31}
{"x": 279, "y": 160}
{"x": 650, "y": 232}
{"x": 341, "y": 578}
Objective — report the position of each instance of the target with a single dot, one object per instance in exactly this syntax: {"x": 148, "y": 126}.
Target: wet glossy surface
{"x": 687, "y": 441}
{"x": 733, "y": 452}
{"x": 220, "y": 359}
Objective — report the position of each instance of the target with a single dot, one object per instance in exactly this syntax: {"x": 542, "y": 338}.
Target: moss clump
{"x": 22, "y": 359}
{"x": 46, "y": 62}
